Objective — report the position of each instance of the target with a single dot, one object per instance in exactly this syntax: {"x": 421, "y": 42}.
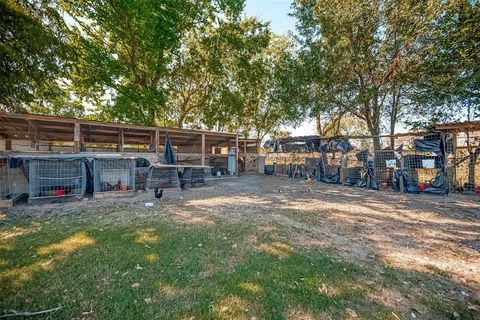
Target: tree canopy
{"x": 351, "y": 64}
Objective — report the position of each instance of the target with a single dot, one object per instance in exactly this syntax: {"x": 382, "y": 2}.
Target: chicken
{"x": 158, "y": 194}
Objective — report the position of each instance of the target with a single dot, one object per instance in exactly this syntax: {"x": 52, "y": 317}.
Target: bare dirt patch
{"x": 437, "y": 235}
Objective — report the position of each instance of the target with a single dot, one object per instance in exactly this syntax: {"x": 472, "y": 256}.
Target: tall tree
{"x": 449, "y": 82}
{"x": 34, "y": 58}
{"x": 251, "y": 96}
{"x": 358, "y": 52}
{"x": 126, "y": 47}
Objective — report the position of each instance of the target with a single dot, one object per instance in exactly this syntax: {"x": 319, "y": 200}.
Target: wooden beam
{"x": 236, "y": 155}
{"x": 35, "y": 137}
{"x": 157, "y": 140}
{"x": 203, "y": 149}
{"x": 121, "y": 140}
{"x": 76, "y": 137}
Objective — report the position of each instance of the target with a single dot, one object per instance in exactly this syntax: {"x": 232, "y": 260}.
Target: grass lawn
{"x": 96, "y": 266}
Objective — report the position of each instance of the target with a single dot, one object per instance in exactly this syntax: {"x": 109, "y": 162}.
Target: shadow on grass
{"x": 156, "y": 269}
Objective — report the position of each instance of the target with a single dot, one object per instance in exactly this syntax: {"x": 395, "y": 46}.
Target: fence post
{"x": 343, "y": 168}
{"x": 76, "y": 137}
{"x": 453, "y": 181}
{"x": 402, "y": 167}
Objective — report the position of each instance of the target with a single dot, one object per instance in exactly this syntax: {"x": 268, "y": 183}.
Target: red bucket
{"x": 60, "y": 192}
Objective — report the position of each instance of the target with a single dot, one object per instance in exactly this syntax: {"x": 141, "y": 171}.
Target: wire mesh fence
{"x": 56, "y": 178}
{"x": 162, "y": 177}
{"x": 357, "y": 161}
{"x": 194, "y": 177}
{"x": 18, "y": 177}
{"x": 110, "y": 175}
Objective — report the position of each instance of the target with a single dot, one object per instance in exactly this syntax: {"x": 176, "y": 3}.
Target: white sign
{"x": 428, "y": 163}
{"x": 391, "y": 163}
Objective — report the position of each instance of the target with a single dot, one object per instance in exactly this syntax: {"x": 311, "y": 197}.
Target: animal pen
{"x": 46, "y": 158}
{"x": 436, "y": 162}
{"x": 56, "y": 178}
{"x": 113, "y": 176}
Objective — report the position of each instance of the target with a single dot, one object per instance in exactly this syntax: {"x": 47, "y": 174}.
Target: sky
{"x": 276, "y": 12}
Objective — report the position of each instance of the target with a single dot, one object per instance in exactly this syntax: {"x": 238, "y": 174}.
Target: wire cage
{"x": 17, "y": 178}
{"x": 354, "y": 164}
{"x": 466, "y": 168}
{"x": 115, "y": 175}
{"x": 464, "y": 163}
{"x": 56, "y": 179}
{"x": 422, "y": 167}
{"x": 162, "y": 176}
{"x": 386, "y": 162}
{"x": 329, "y": 167}
{"x": 195, "y": 176}
{"x": 141, "y": 169}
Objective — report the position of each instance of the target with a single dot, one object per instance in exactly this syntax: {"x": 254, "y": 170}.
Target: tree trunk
{"x": 394, "y": 115}
{"x": 152, "y": 115}
{"x": 319, "y": 124}
{"x": 180, "y": 121}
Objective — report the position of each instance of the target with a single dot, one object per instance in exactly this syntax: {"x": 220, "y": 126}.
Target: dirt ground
{"x": 416, "y": 233}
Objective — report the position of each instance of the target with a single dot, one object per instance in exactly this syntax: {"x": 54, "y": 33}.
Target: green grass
{"x": 150, "y": 268}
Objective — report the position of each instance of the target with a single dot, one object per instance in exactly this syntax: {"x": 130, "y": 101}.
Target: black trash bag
{"x": 322, "y": 175}
{"x": 368, "y": 180}
{"x": 428, "y": 146}
{"x": 438, "y": 185}
{"x": 169, "y": 157}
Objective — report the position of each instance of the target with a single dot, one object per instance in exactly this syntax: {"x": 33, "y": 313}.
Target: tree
{"x": 34, "y": 58}
{"x": 359, "y": 53}
{"x": 250, "y": 96}
{"x": 125, "y": 49}
{"x": 449, "y": 81}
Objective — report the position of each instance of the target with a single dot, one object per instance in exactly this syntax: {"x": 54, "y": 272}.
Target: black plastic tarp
{"x": 428, "y": 146}
{"x": 438, "y": 185}
{"x": 169, "y": 153}
{"x": 336, "y": 145}
{"x": 408, "y": 186}
{"x": 322, "y": 174}
{"x": 271, "y": 144}
{"x": 368, "y": 179}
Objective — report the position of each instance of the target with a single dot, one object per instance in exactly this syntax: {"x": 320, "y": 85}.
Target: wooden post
{"x": 121, "y": 140}
{"x": 157, "y": 140}
{"x": 343, "y": 169}
{"x": 244, "y": 147}
{"x": 35, "y": 137}
{"x": 203, "y": 149}
{"x": 76, "y": 137}
{"x": 236, "y": 155}
{"x": 454, "y": 164}
{"x": 401, "y": 180}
